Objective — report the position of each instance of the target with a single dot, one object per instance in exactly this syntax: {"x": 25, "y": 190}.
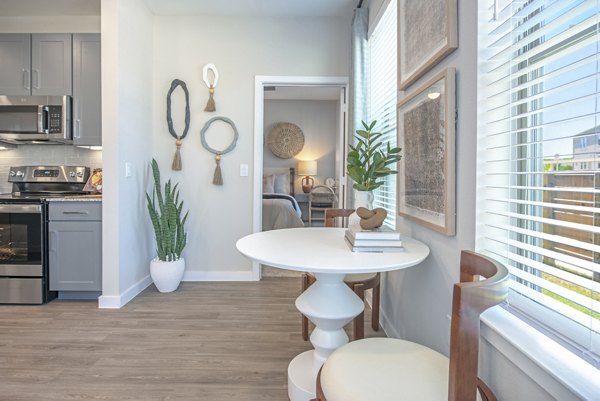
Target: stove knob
{"x": 80, "y": 174}
{"x": 20, "y": 174}
{"x": 72, "y": 174}
{"x": 12, "y": 173}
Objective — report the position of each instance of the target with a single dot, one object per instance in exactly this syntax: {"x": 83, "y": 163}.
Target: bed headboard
{"x": 283, "y": 170}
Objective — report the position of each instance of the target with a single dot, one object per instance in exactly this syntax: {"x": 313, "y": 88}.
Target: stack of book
{"x": 382, "y": 239}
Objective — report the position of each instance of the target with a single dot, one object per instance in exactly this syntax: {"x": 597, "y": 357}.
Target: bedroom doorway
{"x": 309, "y": 109}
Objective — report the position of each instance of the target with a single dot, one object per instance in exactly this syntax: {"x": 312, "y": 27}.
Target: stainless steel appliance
{"x": 24, "y": 229}
{"x": 35, "y": 119}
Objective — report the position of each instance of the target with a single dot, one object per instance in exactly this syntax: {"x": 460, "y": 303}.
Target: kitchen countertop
{"x": 77, "y": 198}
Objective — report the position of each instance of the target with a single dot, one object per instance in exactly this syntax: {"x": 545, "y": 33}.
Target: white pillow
{"x": 268, "y": 182}
{"x": 282, "y": 184}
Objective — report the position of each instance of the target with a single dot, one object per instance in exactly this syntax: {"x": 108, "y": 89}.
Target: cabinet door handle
{"x": 77, "y": 129}
{"x": 52, "y": 241}
{"x": 74, "y": 212}
{"x": 36, "y": 79}
{"x": 26, "y": 79}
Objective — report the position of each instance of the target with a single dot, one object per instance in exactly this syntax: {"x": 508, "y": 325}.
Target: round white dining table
{"x": 328, "y": 303}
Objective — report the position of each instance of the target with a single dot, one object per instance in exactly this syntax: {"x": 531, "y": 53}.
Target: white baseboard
{"x": 231, "y": 275}
{"x": 118, "y": 301}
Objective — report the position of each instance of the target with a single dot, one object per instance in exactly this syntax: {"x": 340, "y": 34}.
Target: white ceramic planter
{"x": 167, "y": 275}
{"x": 361, "y": 199}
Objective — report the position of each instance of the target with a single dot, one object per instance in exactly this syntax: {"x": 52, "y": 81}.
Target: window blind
{"x": 539, "y": 159}
{"x": 382, "y": 99}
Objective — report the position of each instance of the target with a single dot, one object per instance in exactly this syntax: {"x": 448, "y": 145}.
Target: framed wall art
{"x": 427, "y": 32}
{"x": 426, "y": 172}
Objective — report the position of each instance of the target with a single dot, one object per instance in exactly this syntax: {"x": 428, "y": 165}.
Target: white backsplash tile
{"x": 52, "y": 155}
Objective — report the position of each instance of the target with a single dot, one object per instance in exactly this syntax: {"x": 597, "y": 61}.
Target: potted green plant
{"x": 165, "y": 211}
{"x": 369, "y": 162}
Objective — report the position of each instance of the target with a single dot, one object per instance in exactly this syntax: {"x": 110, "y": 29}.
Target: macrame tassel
{"x": 210, "y": 105}
{"x": 177, "y": 159}
{"x": 218, "y": 177}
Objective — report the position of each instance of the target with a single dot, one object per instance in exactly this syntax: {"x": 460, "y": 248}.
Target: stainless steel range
{"x": 24, "y": 229}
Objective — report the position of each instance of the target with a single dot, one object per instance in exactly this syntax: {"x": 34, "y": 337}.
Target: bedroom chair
{"x": 385, "y": 369}
{"x": 321, "y": 197}
{"x": 359, "y": 283}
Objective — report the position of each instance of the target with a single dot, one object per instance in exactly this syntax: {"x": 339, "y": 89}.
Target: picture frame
{"x": 426, "y": 172}
{"x": 427, "y": 32}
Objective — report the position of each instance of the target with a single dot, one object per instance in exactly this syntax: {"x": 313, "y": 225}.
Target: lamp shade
{"x": 307, "y": 167}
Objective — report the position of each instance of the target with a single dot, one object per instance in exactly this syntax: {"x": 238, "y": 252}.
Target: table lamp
{"x": 307, "y": 168}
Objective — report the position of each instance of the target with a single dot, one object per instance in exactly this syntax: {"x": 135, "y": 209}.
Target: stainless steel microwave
{"x": 35, "y": 119}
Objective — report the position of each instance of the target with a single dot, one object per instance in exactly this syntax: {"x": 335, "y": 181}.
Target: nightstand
{"x": 302, "y": 200}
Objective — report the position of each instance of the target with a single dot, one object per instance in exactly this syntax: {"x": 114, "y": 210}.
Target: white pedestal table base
{"x": 330, "y": 304}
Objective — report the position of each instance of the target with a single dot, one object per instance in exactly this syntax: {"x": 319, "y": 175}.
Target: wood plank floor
{"x": 207, "y": 341}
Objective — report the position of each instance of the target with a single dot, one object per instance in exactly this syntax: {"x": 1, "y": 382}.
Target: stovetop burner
{"x": 36, "y": 183}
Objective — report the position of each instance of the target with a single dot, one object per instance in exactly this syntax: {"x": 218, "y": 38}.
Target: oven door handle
{"x": 37, "y": 209}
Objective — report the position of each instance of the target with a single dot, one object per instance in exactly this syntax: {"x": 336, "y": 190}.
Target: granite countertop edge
{"x": 84, "y": 198}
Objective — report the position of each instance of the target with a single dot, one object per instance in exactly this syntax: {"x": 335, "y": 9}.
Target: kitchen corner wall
{"x": 126, "y": 126}
{"x": 241, "y": 48}
{"x": 29, "y": 155}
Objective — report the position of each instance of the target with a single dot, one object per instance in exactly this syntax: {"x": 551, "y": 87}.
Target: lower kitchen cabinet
{"x": 75, "y": 243}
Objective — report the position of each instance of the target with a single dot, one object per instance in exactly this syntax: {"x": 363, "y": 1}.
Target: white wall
{"x": 318, "y": 120}
{"x": 241, "y": 48}
{"x": 54, "y": 24}
{"x": 126, "y": 127}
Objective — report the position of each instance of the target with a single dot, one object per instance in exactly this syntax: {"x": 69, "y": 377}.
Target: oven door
{"x": 21, "y": 240}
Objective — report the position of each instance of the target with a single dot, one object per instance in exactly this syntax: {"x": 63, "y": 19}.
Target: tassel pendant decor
{"x": 210, "y": 105}
{"x": 218, "y": 175}
{"x": 178, "y": 138}
{"x": 177, "y": 159}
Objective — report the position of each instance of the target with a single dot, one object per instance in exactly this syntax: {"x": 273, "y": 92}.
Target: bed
{"x": 279, "y": 207}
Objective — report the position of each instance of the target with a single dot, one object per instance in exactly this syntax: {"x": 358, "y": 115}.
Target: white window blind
{"x": 382, "y": 99}
{"x": 539, "y": 159}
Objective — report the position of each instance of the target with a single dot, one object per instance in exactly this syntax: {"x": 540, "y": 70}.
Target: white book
{"x": 373, "y": 249}
{"x": 383, "y": 232}
{"x": 373, "y": 242}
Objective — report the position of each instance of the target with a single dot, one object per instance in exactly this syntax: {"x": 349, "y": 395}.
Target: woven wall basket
{"x": 285, "y": 140}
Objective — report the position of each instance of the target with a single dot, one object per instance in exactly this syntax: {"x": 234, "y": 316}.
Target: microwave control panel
{"x": 55, "y": 119}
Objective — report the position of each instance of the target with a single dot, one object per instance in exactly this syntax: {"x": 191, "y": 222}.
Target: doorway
{"x": 300, "y": 98}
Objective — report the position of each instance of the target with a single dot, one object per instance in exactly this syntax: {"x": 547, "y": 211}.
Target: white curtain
{"x": 358, "y": 75}
{"x": 359, "y": 69}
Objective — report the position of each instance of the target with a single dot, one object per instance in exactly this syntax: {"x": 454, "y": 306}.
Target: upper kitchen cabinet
{"x": 87, "y": 98}
{"x": 38, "y": 64}
{"x": 51, "y": 64}
{"x": 15, "y": 64}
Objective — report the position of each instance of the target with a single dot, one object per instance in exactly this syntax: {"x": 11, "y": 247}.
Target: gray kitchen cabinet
{"x": 87, "y": 99}
{"x": 75, "y": 243}
{"x": 38, "y": 64}
{"x": 15, "y": 64}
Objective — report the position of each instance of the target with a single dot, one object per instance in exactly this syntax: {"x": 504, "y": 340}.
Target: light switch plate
{"x": 243, "y": 170}
{"x": 127, "y": 169}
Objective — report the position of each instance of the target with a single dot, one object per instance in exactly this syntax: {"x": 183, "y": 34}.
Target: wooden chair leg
{"x": 375, "y": 309}
{"x": 320, "y": 396}
{"x": 307, "y": 281}
{"x": 305, "y": 285}
{"x": 358, "y": 325}
{"x": 486, "y": 393}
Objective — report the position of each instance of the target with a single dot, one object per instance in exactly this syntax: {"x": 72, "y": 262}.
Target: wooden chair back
{"x": 471, "y": 297}
{"x": 331, "y": 214}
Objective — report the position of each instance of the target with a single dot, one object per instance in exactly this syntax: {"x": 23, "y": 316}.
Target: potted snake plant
{"x": 165, "y": 210}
